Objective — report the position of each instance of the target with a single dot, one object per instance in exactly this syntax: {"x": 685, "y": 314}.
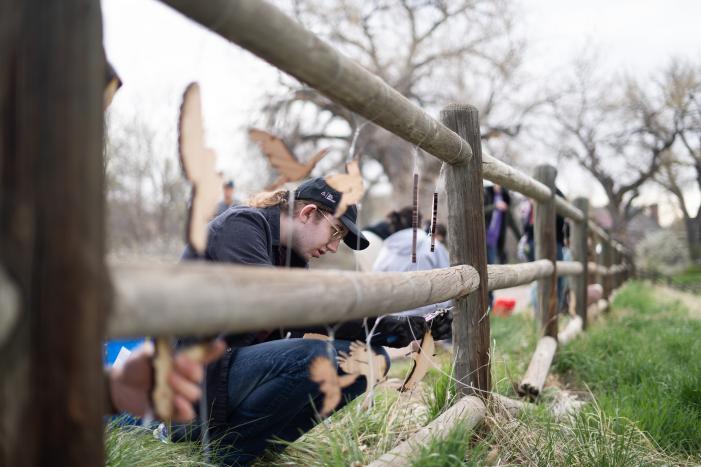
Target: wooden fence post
{"x": 52, "y": 232}
{"x": 546, "y": 248}
{"x": 579, "y": 247}
{"x": 467, "y": 245}
{"x": 606, "y": 256}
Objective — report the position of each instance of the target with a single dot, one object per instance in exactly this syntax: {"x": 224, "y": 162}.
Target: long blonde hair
{"x": 268, "y": 199}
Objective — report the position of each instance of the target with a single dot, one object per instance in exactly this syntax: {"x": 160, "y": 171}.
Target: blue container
{"x": 113, "y": 347}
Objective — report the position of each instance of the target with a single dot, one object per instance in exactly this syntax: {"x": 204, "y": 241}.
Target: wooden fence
{"x": 54, "y": 252}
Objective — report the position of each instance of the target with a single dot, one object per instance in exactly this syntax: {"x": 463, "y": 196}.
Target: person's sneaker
{"x": 161, "y": 433}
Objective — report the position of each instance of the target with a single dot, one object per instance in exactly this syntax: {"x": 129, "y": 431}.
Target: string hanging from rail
{"x": 415, "y": 205}
{"x": 434, "y": 210}
{"x": 350, "y": 157}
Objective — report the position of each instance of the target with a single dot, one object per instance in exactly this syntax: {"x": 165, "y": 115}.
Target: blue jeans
{"x": 561, "y": 285}
{"x": 272, "y": 397}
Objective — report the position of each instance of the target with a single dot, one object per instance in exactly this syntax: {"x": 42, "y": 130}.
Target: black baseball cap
{"x": 317, "y": 190}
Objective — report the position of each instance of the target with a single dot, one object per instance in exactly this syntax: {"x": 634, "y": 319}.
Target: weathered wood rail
{"x": 208, "y": 298}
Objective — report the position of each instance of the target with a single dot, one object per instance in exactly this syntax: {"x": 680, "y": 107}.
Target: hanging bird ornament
{"x": 282, "y": 159}
{"x": 198, "y": 165}
{"x": 324, "y": 373}
{"x": 350, "y": 185}
{"x": 363, "y": 361}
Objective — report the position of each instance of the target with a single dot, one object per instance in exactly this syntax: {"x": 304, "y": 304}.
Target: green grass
{"x": 691, "y": 276}
{"x": 449, "y": 451}
{"x": 644, "y": 365}
{"x": 355, "y": 435}
{"x": 513, "y": 341}
{"x": 136, "y": 445}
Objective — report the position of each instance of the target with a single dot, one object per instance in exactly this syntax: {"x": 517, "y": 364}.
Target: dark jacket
{"x": 508, "y": 220}
{"x": 562, "y": 228}
{"x": 245, "y": 235}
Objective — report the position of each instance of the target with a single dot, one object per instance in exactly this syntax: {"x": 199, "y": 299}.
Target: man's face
{"x": 316, "y": 233}
{"x": 228, "y": 193}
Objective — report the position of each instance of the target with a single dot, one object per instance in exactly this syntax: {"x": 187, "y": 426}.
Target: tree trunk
{"x": 693, "y": 235}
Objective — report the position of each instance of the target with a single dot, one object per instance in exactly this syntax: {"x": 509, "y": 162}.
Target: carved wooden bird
{"x": 282, "y": 159}
{"x": 349, "y": 184}
{"x": 360, "y": 361}
{"x": 323, "y": 372}
{"x": 423, "y": 360}
{"x": 198, "y": 163}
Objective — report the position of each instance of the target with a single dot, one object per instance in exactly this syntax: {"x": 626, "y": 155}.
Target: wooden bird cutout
{"x": 112, "y": 84}
{"x": 282, "y": 159}
{"x": 350, "y": 185}
{"x": 162, "y": 394}
{"x": 323, "y": 372}
{"x": 423, "y": 360}
{"x": 198, "y": 163}
{"x": 361, "y": 362}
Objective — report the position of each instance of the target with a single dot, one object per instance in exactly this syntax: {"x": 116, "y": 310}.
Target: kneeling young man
{"x": 260, "y": 390}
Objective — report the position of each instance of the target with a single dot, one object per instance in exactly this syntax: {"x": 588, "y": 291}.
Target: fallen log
{"x": 573, "y": 328}
{"x": 534, "y": 379}
{"x": 470, "y": 410}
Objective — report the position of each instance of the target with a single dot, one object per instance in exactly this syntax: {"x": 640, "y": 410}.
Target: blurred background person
{"x": 395, "y": 254}
{"x": 228, "y": 199}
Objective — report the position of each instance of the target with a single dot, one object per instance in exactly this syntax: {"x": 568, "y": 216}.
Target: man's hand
{"x": 501, "y": 205}
{"x": 131, "y": 383}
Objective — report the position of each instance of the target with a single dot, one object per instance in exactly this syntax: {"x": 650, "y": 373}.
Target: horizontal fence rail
{"x": 502, "y": 276}
{"x": 201, "y": 299}
{"x": 569, "y": 268}
{"x": 205, "y": 299}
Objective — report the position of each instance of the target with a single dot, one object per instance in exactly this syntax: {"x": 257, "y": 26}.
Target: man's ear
{"x": 306, "y": 213}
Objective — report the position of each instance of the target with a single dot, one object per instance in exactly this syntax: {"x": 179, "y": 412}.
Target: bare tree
{"x": 146, "y": 193}
{"x": 433, "y": 52}
{"x": 617, "y": 131}
{"x": 681, "y": 167}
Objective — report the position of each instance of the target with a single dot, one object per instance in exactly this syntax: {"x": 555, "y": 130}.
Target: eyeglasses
{"x": 338, "y": 232}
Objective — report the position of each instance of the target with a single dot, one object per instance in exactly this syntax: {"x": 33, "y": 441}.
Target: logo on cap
{"x": 328, "y": 196}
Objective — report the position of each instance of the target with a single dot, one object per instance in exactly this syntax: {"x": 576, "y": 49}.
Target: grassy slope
{"x": 645, "y": 365}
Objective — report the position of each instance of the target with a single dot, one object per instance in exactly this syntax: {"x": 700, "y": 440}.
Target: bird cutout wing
{"x": 112, "y": 84}
{"x": 282, "y": 159}
{"x": 198, "y": 163}
{"x": 423, "y": 359}
{"x": 323, "y": 372}
{"x": 350, "y": 185}
{"x": 361, "y": 362}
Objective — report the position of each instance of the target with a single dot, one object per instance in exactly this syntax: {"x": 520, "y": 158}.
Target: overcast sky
{"x": 158, "y": 52}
